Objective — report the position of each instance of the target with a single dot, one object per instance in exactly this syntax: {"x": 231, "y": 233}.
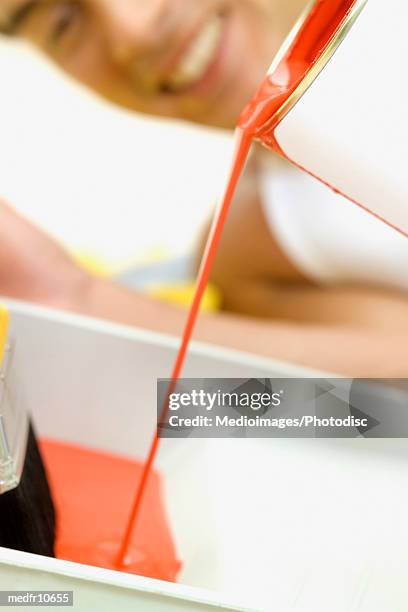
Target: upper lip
{"x": 156, "y": 71}
{"x": 172, "y": 61}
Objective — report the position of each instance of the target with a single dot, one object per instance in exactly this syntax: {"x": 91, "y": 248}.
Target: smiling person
{"x": 304, "y": 276}
{"x": 176, "y": 58}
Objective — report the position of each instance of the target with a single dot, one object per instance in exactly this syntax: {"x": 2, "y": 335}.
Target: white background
{"x": 116, "y": 185}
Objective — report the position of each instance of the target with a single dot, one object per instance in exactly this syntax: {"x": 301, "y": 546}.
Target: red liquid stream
{"x": 243, "y": 143}
{"x": 257, "y": 121}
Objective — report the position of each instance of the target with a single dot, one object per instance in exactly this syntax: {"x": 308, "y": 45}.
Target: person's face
{"x": 195, "y": 59}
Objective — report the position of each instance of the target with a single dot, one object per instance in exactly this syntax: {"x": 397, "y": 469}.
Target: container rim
{"x": 316, "y": 67}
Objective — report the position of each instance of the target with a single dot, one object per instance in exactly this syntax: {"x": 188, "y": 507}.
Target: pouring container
{"x": 334, "y": 102}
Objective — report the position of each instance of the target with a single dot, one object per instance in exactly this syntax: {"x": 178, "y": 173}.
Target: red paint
{"x": 93, "y": 492}
{"x": 318, "y": 29}
{"x": 243, "y": 142}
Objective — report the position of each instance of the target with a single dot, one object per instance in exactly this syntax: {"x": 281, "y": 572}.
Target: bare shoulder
{"x": 249, "y": 247}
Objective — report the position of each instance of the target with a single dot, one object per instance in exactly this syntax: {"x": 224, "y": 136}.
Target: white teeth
{"x": 198, "y": 57}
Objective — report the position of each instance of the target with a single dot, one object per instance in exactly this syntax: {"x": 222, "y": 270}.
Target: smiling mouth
{"x": 198, "y": 59}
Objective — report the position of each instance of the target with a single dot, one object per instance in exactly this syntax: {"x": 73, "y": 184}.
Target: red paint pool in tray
{"x": 93, "y": 493}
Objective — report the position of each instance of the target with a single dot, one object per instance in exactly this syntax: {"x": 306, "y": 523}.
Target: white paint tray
{"x": 258, "y": 524}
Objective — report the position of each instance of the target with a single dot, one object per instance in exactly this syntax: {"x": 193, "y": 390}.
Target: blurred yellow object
{"x": 4, "y": 324}
{"x": 182, "y": 295}
{"x": 93, "y": 264}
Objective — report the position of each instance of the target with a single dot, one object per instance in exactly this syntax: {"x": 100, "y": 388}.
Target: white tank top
{"x": 330, "y": 239}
